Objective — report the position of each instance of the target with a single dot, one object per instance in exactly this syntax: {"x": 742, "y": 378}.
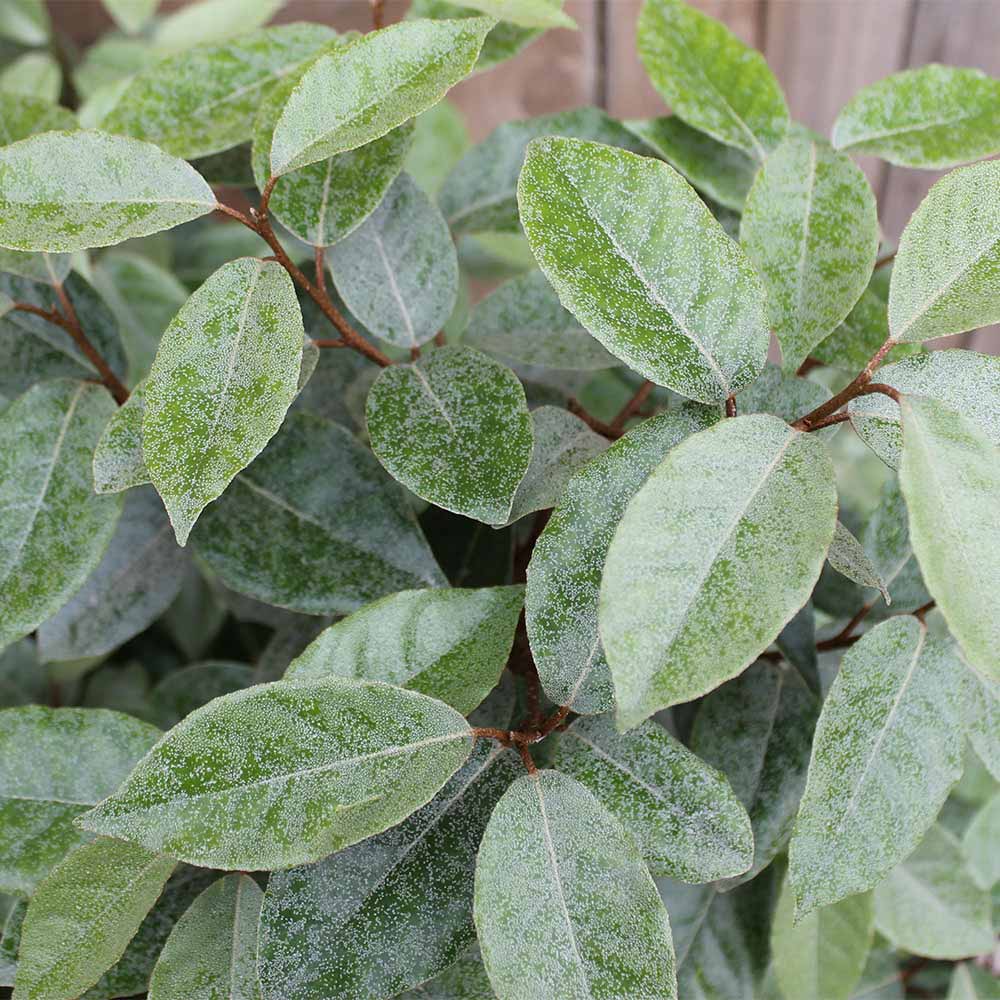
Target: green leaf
{"x": 135, "y": 582}
{"x": 785, "y": 396}
{"x": 118, "y": 459}
{"x": 849, "y": 559}
{"x": 74, "y": 190}
{"x": 810, "y": 227}
{"x": 710, "y": 78}
{"x": 596, "y": 927}
{"x": 449, "y": 644}
{"x": 465, "y": 980}
{"x": 54, "y": 764}
{"x": 522, "y": 321}
{"x": 83, "y": 915}
{"x": 950, "y": 477}
{"x": 204, "y": 100}
{"x": 225, "y": 373}
{"x": 359, "y": 92}
{"x": 21, "y": 682}
{"x": 54, "y": 529}
{"x": 880, "y": 979}
{"x": 740, "y": 515}
{"x": 969, "y": 982}
{"x": 286, "y": 773}
{"x": 454, "y": 428}
{"x": 212, "y": 950}
{"x": 722, "y": 172}
{"x": 979, "y": 844}
{"x": 943, "y": 275}
{"x": 398, "y": 272}
{"x": 527, "y": 13}
{"x": 333, "y": 543}
{"x": 564, "y": 575}
{"x": 757, "y": 730}
{"x": 440, "y": 138}
{"x": 391, "y": 911}
{"x": 34, "y": 74}
{"x": 360, "y": 177}
{"x": 211, "y": 21}
{"x": 682, "y": 813}
{"x": 929, "y": 904}
{"x": 48, "y": 268}
{"x": 480, "y": 194}
{"x": 932, "y": 117}
{"x": 12, "y": 912}
{"x": 22, "y": 115}
{"x": 887, "y": 750}
{"x": 131, "y": 15}
{"x": 678, "y": 302}
{"x": 25, "y": 22}
{"x": 984, "y": 722}
{"x": 184, "y": 690}
{"x": 963, "y": 380}
{"x": 821, "y": 956}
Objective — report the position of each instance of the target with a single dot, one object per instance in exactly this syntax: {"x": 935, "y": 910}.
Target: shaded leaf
{"x": 184, "y": 690}
{"x": 119, "y": 463}
{"x": 785, "y": 396}
{"x": 465, "y": 980}
{"x": 968, "y": 982}
{"x": 34, "y": 74}
{"x": 131, "y": 15}
{"x": 848, "y": 558}
{"x": 984, "y": 721}
{"x": 12, "y": 912}
{"x": 210, "y": 21}
{"x": 527, "y": 13}
{"x": 22, "y": 115}
{"x": 25, "y": 22}
{"x": 49, "y": 268}
{"x": 440, "y": 137}
{"x": 979, "y": 845}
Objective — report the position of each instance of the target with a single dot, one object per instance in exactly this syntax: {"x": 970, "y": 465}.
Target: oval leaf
{"x": 637, "y": 257}
{"x": 740, "y": 515}
{"x": 21, "y": 116}
{"x": 118, "y": 460}
{"x": 849, "y": 559}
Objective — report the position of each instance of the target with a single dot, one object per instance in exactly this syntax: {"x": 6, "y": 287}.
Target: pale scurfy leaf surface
{"x": 54, "y": 764}
{"x": 12, "y": 912}
{"x": 22, "y": 115}
{"x": 454, "y": 428}
{"x": 361, "y": 91}
{"x": 334, "y": 540}
{"x": 286, "y": 773}
{"x": 950, "y": 477}
{"x": 637, "y": 257}
{"x": 979, "y": 844}
{"x": 932, "y": 117}
{"x": 53, "y": 529}
{"x": 564, "y": 575}
{"x": 984, "y": 722}
{"x": 887, "y": 750}
{"x": 682, "y": 813}
{"x": 810, "y": 227}
{"x": 597, "y": 930}
{"x": 49, "y": 268}
{"x": 225, "y": 374}
{"x": 119, "y": 463}
{"x": 962, "y": 379}
{"x": 398, "y": 272}
{"x": 207, "y": 21}
{"x": 847, "y": 556}
{"x": 785, "y": 396}
{"x": 527, "y": 13}
{"x": 391, "y": 911}
{"x": 211, "y": 953}
{"x": 740, "y": 515}
{"x": 757, "y": 730}
{"x": 74, "y": 190}
{"x": 929, "y": 904}
{"x": 944, "y": 275}
{"x": 710, "y": 78}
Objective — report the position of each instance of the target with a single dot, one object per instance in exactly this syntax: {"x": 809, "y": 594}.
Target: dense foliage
{"x": 359, "y": 642}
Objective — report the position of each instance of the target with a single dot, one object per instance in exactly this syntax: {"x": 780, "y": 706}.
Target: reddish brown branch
{"x": 887, "y": 259}
{"x": 808, "y": 365}
{"x": 834, "y": 418}
{"x": 846, "y": 636}
{"x": 378, "y": 14}
{"x": 730, "y": 406}
{"x": 574, "y": 406}
{"x": 921, "y": 612}
{"x": 631, "y": 408}
{"x": 529, "y": 763}
{"x": 439, "y": 339}
{"x": 320, "y": 260}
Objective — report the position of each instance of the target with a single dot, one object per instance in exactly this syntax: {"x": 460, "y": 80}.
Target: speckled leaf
{"x": 74, "y": 190}
{"x": 53, "y": 529}
{"x": 737, "y": 516}
{"x": 950, "y": 477}
{"x": 597, "y": 929}
{"x": 440, "y": 138}
{"x": 12, "y": 912}
{"x": 391, "y": 911}
{"x": 887, "y": 750}
{"x": 785, "y": 396}
{"x": 49, "y": 268}
{"x": 480, "y": 194}
{"x": 564, "y": 575}
{"x": 465, "y": 980}
{"x": 527, "y": 13}
{"x": 944, "y": 274}
{"x": 207, "y": 21}
{"x": 963, "y": 380}
{"x": 25, "y": 22}
{"x": 118, "y": 459}
{"x": 358, "y": 93}
{"x": 984, "y": 722}
{"x": 225, "y": 373}
{"x": 821, "y": 956}
{"x": 810, "y": 227}
{"x": 637, "y": 257}
{"x": 864, "y": 330}
{"x": 204, "y": 100}
{"x": 454, "y": 428}
{"x": 979, "y": 844}
{"x": 398, "y": 272}
{"x": 684, "y": 816}
{"x": 847, "y": 556}
{"x": 932, "y": 117}
{"x": 969, "y": 982}
{"x": 332, "y": 543}
{"x": 212, "y": 951}
{"x": 296, "y": 771}
{"x": 449, "y": 644}
{"x": 84, "y": 914}
{"x": 523, "y": 321}
{"x": 757, "y": 730}
{"x": 184, "y": 690}
{"x": 929, "y": 904}
{"x": 722, "y": 172}
{"x": 54, "y": 764}
{"x": 135, "y": 582}
{"x": 22, "y": 115}
{"x": 710, "y": 78}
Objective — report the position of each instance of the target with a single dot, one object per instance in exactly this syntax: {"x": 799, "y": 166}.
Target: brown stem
{"x": 888, "y": 259}
{"x": 834, "y": 418}
{"x": 730, "y": 406}
{"x": 439, "y": 338}
{"x": 921, "y": 612}
{"x": 330, "y": 342}
{"x": 529, "y": 763}
{"x": 855, "y": 388}
{"x": 631, "y": 408}
{"x": 574, "y": 406}
{"x": 235, "y": 213}
{"x": 846, "y": 635}
{"x": 320, "y": 270}
{"x": 808, "y": 365}
{"x": 378, "y": 14}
